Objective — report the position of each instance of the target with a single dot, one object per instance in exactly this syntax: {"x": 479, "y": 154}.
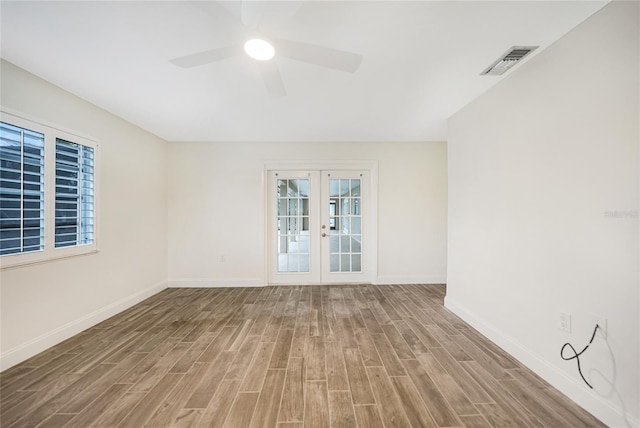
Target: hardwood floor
{"x": 294, "y": 356}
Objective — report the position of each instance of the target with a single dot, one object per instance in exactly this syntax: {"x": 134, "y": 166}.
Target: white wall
{"x": 46, "y": 303}
{"x": 539, "y": 168}
{"x": 216, "y": 207}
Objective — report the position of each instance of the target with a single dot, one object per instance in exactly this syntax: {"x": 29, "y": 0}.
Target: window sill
{"x": 14, "y": 261}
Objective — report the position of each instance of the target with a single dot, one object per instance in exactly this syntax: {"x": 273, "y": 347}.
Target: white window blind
{"x": 21, "y": 190}
{"x": 74, "y": 221}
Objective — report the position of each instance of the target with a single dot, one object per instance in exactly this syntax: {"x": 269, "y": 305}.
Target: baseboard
{"x": 258, "y": 282}
{"x": 33, "y": 347}
{"x": 604, "y": 410}
{"x": 216, "y": 283}
{"x": 411, "y": 279}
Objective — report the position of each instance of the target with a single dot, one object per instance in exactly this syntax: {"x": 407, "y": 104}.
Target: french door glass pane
{"x": 293, "y": 225}
{"x": 345, "y": 223}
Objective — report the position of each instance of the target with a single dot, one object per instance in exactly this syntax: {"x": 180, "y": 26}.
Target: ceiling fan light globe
{"x": 259, "y": 49}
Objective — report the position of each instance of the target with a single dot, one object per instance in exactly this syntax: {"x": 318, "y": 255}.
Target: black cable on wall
{"x": 576, "y": 355}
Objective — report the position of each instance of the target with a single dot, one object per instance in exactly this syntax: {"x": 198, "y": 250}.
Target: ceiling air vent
{"x": 508, "y": 60}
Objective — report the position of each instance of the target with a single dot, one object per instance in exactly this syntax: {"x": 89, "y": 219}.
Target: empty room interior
{"x": 320, "y": 213}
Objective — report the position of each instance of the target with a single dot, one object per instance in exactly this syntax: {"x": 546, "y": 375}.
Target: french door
{"x": 319, "y": 226}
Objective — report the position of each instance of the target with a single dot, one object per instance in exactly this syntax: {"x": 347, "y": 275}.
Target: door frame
{"x": 371, "y": 166}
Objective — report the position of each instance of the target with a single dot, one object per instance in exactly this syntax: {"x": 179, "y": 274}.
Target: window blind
{"x": 21, "y": 190}
{"x": 74, "y": 221}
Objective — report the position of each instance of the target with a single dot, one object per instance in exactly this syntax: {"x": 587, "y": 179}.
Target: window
{"x": 21, "y": 190}
{"x": 47, "y": 192}
{"x": 74, "y": 194}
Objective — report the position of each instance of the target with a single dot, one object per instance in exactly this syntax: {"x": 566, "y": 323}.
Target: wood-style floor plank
{"x": 388, "y": 355}
{"x": 447, "y": 386}
{"x": 370, "y": 356}
{"x": 241, "y": 412}
{"x": 495, "y": 415}
{"x": 341, "y": 410}
{"x": 118, "y": 410}
{"x": 358, "y": 379}
{"x": 281, "y": 351}
{"x": 417, "y": 413}
{"x": 475, "y": 421}
{"x": 431, "y": 395}
{"x": 400, "y": 346}
{"x": 316, "y": 404}
{"x": 210, "y": 381}
{"x": 150, "y": 403}
{"x": 240, "y": 364}
{"x": 92, "y": 391}
{"x": 166, "y": 413}
{"x": 368, "y": 416}
{"x": 44, "y": 410}
{"x": 95, "y": 409}
{"x": 292, "y": 406}
{"x": 391, "y": 408}
{"x": 516, "y": 411}
{"x": 56, "y": 421}
{"x": 316, "y": 357}
{"x": 283, "y": 357}
{"x": 266, "y": 411}
{"x": 254, "y": 378}
{"x": 336, "y": 369}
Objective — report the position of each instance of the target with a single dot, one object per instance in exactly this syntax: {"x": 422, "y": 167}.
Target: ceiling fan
{"x": 257, "y": 21}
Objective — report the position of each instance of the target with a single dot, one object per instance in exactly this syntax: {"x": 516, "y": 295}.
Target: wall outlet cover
{"x": 564, "y": 322}
{"x": 602, "y": 325}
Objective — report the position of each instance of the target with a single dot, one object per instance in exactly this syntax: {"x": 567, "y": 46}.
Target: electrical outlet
{"x": 602, "y": 325}
{"x": 564, "y": 322}
{"x": 222, "y": 258}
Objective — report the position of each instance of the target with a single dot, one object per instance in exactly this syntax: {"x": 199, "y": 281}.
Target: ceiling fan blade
{"x": 206, "y": 57}
{"x": 223, "y": 14}
{"x": 268, "y": 16}
{"x": 272, "y": 79}
{"x": 318, "y": 55}
{"x": 251, "y": 13}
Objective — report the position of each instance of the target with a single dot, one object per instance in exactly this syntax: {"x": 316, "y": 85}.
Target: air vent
{"x": 508, "y": 60}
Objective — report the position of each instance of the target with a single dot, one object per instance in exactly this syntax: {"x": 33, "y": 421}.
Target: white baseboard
{"x": 258, "y": 282}
{"x": 216, "y": 283}
{"x": 604, "y": 410}
{"x": 34, "y": 346}
{"x": 411, "y": 279}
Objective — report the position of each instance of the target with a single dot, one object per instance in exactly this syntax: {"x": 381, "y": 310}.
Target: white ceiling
{"x": 421, "y": 63}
